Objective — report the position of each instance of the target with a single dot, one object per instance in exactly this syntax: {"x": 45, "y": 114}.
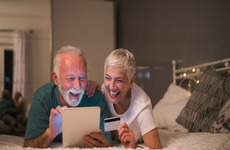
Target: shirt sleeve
{"x": 146, "y": 121}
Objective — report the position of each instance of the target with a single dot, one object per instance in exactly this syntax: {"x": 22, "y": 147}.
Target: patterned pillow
{"x": 222, "y": 123}
{"x": 209, "y": 96}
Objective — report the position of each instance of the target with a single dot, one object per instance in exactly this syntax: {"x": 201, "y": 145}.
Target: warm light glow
{"x": 197, "y": 81}
{"x": 193, "y": 70}
{"x": 184, "y": 74}
{"x": 188, "y": 93}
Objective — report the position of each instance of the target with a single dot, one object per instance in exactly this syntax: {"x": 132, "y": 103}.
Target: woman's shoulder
{"x": 139, "y": 96}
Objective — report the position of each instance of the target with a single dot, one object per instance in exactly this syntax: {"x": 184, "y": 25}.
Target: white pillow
{"x": 169, "y": 107}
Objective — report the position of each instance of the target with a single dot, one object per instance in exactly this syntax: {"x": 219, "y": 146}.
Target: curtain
{"x": 21, "y": 46}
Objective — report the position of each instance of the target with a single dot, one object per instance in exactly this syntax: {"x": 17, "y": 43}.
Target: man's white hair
{"x": 122, "y": 58}
{"x": 71, "y": 50}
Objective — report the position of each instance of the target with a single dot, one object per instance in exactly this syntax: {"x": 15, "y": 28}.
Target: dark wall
{"x": 158, "y": 31}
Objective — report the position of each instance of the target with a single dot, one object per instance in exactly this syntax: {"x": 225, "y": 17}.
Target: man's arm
{"x": 43, "y": 141}
{"x": 55, "y": 127}
{"x": 95, "y": 140}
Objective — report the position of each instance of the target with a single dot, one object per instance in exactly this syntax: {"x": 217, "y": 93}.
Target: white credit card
{"x": 111, "y": 123}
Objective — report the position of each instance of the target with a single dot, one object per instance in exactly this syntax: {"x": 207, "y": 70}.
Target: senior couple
{"x": 119, "y": 96}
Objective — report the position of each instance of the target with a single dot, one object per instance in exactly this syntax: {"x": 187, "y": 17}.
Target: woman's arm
{"x": 152, "y": 140}
{"x": 91, "y": 87}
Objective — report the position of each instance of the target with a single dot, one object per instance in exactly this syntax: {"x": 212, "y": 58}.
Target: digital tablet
{"x": 77, "y": 122}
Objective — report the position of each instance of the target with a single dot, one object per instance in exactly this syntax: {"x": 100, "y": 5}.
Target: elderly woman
{"x": 128, "y": 101}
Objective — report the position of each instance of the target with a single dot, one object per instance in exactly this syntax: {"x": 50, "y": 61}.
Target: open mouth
{"x": 74, "y": 94}
{"x": 114, "y": 94}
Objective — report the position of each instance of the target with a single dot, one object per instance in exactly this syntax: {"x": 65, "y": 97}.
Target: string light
{"x": 184, "y": 74}
{"x": 193, "y": 70}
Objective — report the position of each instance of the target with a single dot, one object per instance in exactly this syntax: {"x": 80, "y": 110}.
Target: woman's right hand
{"x": 126, "y": 136}
{"x": 91, "y": 87}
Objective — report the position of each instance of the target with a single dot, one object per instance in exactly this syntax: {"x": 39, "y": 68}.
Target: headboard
{"x": 189, "y": 76}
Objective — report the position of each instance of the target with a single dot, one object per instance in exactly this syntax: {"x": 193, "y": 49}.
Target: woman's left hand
{"x": 126, "y": 136}
{"x": 91, "y": 87}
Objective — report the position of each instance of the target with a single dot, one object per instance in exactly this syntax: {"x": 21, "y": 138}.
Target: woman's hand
{"x": 91, "y": 87}
{"x": 126, "y": 136}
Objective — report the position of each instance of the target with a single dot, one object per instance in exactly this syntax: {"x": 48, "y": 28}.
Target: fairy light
{"x": 184, "y": 74}
{"x": 197, "y": 81}
{"x": 193, "y": 70}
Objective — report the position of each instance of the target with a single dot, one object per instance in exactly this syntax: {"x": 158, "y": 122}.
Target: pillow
{"x": 208, "y": 98}
{"x": 222, "y": 123}
{"x": 169, "y": 107}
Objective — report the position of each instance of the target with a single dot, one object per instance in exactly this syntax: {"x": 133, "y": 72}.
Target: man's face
{"x": 72, "y": 78}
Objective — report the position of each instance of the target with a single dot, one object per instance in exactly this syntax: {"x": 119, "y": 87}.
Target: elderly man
{"x": 67, "y": 90}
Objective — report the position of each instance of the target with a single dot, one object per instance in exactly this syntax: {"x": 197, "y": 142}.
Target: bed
{"x": 193, "y": 114}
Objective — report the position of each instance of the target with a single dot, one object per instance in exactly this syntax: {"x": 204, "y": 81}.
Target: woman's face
{"x": 117, "y": 85}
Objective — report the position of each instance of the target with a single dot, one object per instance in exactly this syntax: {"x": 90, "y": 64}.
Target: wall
{"x": 87, "y": 24}
{"x": 158, "y": 31}
{"x": 35, "y": 15}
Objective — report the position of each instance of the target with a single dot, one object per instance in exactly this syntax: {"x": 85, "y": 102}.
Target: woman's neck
{"x": 123, "y": 105}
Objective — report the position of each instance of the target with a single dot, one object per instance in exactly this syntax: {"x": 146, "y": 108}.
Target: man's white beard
{"x": 65, "y": 95}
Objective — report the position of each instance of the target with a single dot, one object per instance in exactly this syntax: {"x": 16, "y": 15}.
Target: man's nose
{"x": 76, "y": 84}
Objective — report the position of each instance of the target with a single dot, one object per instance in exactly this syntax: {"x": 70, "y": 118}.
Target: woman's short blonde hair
{"x": 122, "y": 58}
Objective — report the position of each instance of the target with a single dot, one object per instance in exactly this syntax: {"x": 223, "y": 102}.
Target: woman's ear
{"x": 55, "y": 78}
{"x": 132, "y": 81}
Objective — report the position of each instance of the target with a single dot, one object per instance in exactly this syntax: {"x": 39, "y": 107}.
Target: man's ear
{"x": 132, "y": 81}
{"x": 55, "y": 78}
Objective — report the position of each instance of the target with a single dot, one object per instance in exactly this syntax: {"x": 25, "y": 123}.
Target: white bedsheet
{"x": 169, "y": 140}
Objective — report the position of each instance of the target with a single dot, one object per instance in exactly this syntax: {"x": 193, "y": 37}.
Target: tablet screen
{"x": 77, "y": 122}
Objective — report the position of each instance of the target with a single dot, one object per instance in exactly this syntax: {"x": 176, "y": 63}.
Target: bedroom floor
{"x": 19, "y": 131}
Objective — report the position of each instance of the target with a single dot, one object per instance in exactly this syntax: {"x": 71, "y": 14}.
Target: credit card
{"x": 111, "y": 124}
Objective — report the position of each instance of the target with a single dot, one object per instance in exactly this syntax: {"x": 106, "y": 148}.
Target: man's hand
{"x": 55, "y": 127}
{"x": 91, "y": 87}
{"x": 126, "y": 135}
{"x": 95, "y": 140}
{"x": 55, "y": 121}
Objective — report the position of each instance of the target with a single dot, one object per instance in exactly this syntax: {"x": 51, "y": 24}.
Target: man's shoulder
{"x": 46, "y": 89}
{"x": 97, "y": 99}
{"x": 98, "y": 94}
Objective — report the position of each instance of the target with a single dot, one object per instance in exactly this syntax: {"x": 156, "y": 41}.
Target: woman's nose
{"x": 112, "y": 85}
